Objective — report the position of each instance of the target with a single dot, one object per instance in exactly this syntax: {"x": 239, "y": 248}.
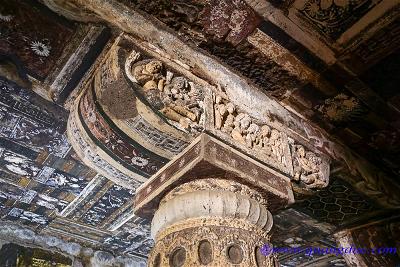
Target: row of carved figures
{"x": 181, "y": 102}
{"x": 308, "y": 168}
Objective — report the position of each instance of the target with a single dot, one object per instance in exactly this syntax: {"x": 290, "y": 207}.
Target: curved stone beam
{"x": 138, "y": 110}
{"x": 117, "y": 125}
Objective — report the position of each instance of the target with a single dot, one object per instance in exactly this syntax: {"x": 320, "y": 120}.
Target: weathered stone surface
{"x": 227, "y": 215}
{"x": 12, "y": 233}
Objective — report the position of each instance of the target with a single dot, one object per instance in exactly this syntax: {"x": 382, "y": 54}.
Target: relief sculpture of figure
{"x": 308, "y": 168}
{"x": 243, "y": 129}
{"x": 178, "y": 99}
{"x": 148, "y": 72}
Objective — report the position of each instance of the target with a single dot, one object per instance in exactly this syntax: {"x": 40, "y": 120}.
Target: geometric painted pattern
{"x": 336, "y": 204}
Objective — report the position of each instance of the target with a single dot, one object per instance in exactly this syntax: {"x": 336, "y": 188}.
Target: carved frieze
{"x": 246, "y": 131}
{"x": 310, "y": 169}
{"x": 135, "y": 112}
{"x": 270, "y": 144}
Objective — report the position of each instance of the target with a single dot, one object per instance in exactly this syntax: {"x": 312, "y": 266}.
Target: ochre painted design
{"x": 154, "y": 136}
{"x": 126, "y": 151}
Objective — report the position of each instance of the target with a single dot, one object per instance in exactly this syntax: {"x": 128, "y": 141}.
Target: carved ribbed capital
{"x": 211, "y": 221}
{"x": 212, "y": 198}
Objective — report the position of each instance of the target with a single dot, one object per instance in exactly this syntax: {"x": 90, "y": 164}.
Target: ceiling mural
{"x": 333, "y": 17}
{"x": 34, "y": 38}
{"x": 36, "y": 191}
{"x": 39, "y": 182}
{"x": 44, "y": 51}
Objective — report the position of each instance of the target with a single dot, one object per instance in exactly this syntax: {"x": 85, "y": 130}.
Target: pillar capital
{"x": 211, "y": 221}
{"x": 145, "y": 117}
{"x": 209, "y": 157}
{"x": 139, "y": 108}
{"x": 211, "y": 205}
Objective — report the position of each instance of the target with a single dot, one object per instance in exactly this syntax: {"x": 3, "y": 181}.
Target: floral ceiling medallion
{"x": 325, "y": 4}
{"x": 6, "y": 18}
{"x": 40, "y": 48}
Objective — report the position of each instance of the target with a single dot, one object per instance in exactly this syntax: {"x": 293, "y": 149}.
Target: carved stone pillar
{"x": 211, "y": 221}
{"x": 144, "y": 118}
{"x": 211, "y": 206}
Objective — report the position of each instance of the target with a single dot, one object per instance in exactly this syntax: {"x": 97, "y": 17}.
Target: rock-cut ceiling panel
{"x": 32, "y": 37}
{"x": 43, "y": 182}
{"x": 42, "y": 50}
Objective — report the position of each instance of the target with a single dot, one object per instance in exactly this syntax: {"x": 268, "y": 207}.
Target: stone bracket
{"x": 209, "y": 157}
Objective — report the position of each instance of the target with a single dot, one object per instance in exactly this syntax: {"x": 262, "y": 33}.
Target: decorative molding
{"x": 114, "y": 142}
{"x": 311, "y": 170}
{"x": 208, "y": 157}
{"x": 154, "y": 136}
{"x": 89, "y": 155}
{"x": 211, "y": 197}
